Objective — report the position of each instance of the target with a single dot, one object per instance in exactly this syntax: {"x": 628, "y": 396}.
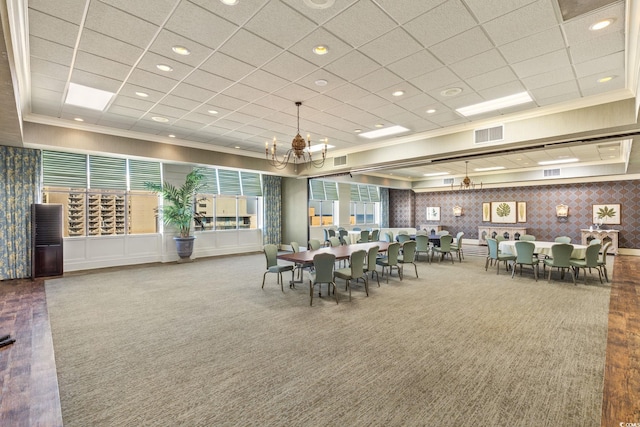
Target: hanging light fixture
{"x": 300, "y": 151}
{"x": 466, "y": 183}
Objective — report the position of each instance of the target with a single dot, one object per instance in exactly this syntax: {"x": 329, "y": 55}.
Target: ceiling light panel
{"x": 88, "y": 97}
{"x": 392, "y": 130}
{"x": 495, "y": 104}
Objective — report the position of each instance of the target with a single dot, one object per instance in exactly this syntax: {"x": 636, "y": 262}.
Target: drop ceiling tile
{"x": 492, "y": 78}
{"x": 102, "y": 66}
{"x": 67, "y": 10}
{"x": 129, "y": 102}
{"x": 202, "y": 118}
{"x": 195, "y": 93}
{"x": 577, "y": 30}
{"x": 368, "y": 101}
{"x": 552, "y": 77}
{"x": 571, "y": 96}
{"x": 152, "y": 81}
{"x": 244, "y": 92}
{"x": 352, "y": 66}
{"x": 130, "y": 90}
{"x": 479, "y": 64}
{"x": 320, "y": 15}
{"x": 347, "y": 93}
{"x": 362, "y": 22}
{"x": 542, "y": 64}
{"x": 600, "y": 65}
{"x": 45, "y": 82}
{"x": 273, "y": 102}
{"x": 462, "y": 46}
{"x": 565, "y": 88}
{"x": 156, "y": 14}
{"x": 256, "y": 111}
{"x": 187, "y": 126}
{"x": 166, "y": 40}
{"x": 263, "y": 80}
{"x": 534, "y": 45}
{"x": 168, "y": 111}
{"x": 502, "y": 90}
{"x": 295, "y": 93}
{"x": 378, "y": 80}
{"x": 527, "y": 20}
{"x": 391, "y": 47}
{"x": 440, "y": 23}
{"x": 122, "y": 111}
{"x": 48, "y": 68}
{"x": 435, "y": 79}
{"x": 262, "y": 24}
{"x": 387, "y": 110}
{"x": 150, "y": 61}
{"x": 320, "y": 36}
{"x": 208, "y": 81}
{"x": 115, "y": 23}
{"x": 40, "y": 26}
{"x": 415, "y": 65}
{"x": 240, "y": 118}
{"x": 50, "y": 51}
{"x": 486, "y": 10}
{"x": 237, "y": 14}
{"x": 598, "y": 47}
{"x": 226, "y": 102}
{"x": 418, "y": 104}
{"x": 108, "y": 47}
{"x": 200, "y": 25}
{"x": 309, "y": 81}
{"x": 322, "y": 103}
{"x": 289, "y": 66}
{"x": 249, "y": 48}
{"x": 463, "y": 100}
{"x": 179, "y": 102}
{"x": 589, "y": 85}
{"x": 406, "y": 11}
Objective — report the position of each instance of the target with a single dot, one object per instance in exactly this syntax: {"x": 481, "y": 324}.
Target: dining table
{"x": 541, "y": 248}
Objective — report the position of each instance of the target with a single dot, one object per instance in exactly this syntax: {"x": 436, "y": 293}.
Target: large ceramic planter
{"x": 184, "y": 245}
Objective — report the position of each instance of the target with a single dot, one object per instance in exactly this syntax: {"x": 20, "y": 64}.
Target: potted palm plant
{"x": 178, "y": 209}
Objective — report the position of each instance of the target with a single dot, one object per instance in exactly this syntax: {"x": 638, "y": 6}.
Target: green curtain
{"x": 19, "y": 188}
{"x": 272, "y": 202}
{"x": 384, "y": 205}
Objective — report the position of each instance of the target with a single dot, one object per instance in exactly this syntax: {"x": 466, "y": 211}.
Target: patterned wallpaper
{"x": 408, "y": 209}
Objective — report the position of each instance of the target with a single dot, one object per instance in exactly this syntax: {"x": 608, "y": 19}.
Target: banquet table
{"x": 542, "y": 248}
{"x": 354, "y": 236}
{"x": 341, "y": 252}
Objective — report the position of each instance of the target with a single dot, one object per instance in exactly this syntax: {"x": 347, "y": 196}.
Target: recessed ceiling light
{"x": 451, "y": 91}
{"x": 160, "y": 119}
{"x": 212, "y": 112}
{"x": 237, "y": 147}
{"x": 181, "y": 50}
{"x": 319, "y": 4}
{"x": 492, "y": 168}
{"x": 495, "y": 104}
{"x": 230, "y": 2}
{"x": 321, "y": 50}
{"x": 358, "y": 130}
{"x": 392, "y": 130}
{"x": 557, "y": 162}
{"x": 379, "y": 125}
{"x": 88, "y": 97}
{"x": 431, "y": 111}
{"x": 142, "y": 94}
{"x": 601, "y": 24}
{"x": 436, "y": 174}
{"x": 605, "y": 79}
{"x": 164, "y": 67}
{"x": 398, "y": 93}
{"x": 78, "y": 119}
{"x": 321, "y": 82}
{"x": 171, "y": 135}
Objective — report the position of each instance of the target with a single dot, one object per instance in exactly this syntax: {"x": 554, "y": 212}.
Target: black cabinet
{"x": 46, "y": 236}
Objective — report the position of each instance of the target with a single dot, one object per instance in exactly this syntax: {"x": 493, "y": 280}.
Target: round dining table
{"x": 542, "y": 248}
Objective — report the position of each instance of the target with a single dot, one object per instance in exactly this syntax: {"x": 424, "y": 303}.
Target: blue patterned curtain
{"x": 272, "y": 200}
{"x": 384, "y": 206}
{"x": 19, "y": 188}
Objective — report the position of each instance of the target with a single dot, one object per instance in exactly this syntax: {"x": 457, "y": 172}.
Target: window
{"x": 322, "y": 203}
{"x": 364, "y": 204}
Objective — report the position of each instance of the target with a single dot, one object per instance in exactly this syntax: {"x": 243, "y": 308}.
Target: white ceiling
{"x": 251, "y": 63}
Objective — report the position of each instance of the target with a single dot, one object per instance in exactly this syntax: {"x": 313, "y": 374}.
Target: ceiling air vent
{"x": 551, "y": 172}
{"x": 495, "y": 133}
{"x": 340, "y": 161}
{"x": 447, "y": 181}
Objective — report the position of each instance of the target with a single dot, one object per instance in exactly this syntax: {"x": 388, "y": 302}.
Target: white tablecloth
{"x": 354, "y": 236}
{"x": 544, "y": 248}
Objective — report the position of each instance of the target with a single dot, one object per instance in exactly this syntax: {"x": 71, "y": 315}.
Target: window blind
{"x": 355, "y": 193}
{"x": 331, "y": 190}
{"x": 229, "y": 182}
{"x": 364, "y": 193}
{"x": 374, "y": 196}
{"x": 251, "y": 185}
{"x": 107, "y": 173}
{"x": 317, "y": 189}
{"x": 141, "y": 171}
{"x": 211, "y": 181}
{"x": 64, "y": 169}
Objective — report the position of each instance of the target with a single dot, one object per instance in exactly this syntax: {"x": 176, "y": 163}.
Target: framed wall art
{"x": 486, "y": 212}
{"x": 606, "y": 214}
{"x": 433, "y": 213}
{"x": 522, "y": 211}
{"x": 503, "y": 212}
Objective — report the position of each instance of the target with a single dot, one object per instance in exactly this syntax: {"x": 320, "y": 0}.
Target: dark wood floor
{"x": 29, "y": 383}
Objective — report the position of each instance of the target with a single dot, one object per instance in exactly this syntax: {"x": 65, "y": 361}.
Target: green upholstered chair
{"x": 271, "y": 254}
{"x": 372, "y": 256}
{"x": 457, "y": 246}
{"x": 443, "y": 233}
{"x": 344, "y": 236}
{"x": 445, "y": 247}
{"x": 595, "y": 242}
{"x": 563, "y": 239}
{"x": 422, "y": 245}
{"x": 408, "y": 256}
{"x": 375, "y": 235}
{"x": 525, "y": 256}
{"x": 403, "y": 238}
{"x": 590, "y": 261}
{"x": 528, "y": 237}
{"x": 391, "y": 260}
{"x": 389, "y": 236}
{"x": 496, "y": 256}
{"x": 314, "y": 244}
{"x": 322, "y": 273}
{"x": 602, "y": 262}
{"x": 295, "y": 247}
{"x": 560, "y": 259}
{"x": 334, "y": 241}
{"x": 403, "y": 232}
{"x": 355, "y": 271}
{"x": 364, "y": 236}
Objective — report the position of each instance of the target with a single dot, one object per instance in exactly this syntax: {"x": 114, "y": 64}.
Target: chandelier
{"x": 300, "y": 151}
{"x": 466, "y": 183}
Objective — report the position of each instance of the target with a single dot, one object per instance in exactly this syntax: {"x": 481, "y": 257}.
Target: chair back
{"x": 421, "y": 232}
{"x": 323, "y": 267}
{"x": 403, "y": 238}
{"x": 403, "y": 232}
{"x": 459, "y": 238}
{"x": 357, "y": 229}
{"x": 528, "y": 237}
{"x": 445, "y": 242}
{"x": 343, "y": 233}
{"x": 492, "y": 244}
{"x": 392, "y": 253}
{"x": 443, "y": 233}
{"x": 563, "y": 239}
{"x": 372, "y": 255}
{"x": 271, "y": 254}
{"x": 326, "y": 234}
{"x": 331, "y": 232}
{"x": 561, "y": 253}
{"x": 524, "y": 250}
{"x": 389, "y": 236}
{"x": 314, "y": 244}
{"x": 357, "y": 263}
{"x": 422, "y": 243}
{"x": 364, "y": 236}
{"x": 409, "y": 251}
{"x": 595, "y": 242}
{"x": 605, "y": 249}
{"x": 375, "y": 235}
{"x": 500, "y": 238}
{"x": 295, "y": 247}
{"x": 591, "y": 257}
{"x": 335, "y": 241}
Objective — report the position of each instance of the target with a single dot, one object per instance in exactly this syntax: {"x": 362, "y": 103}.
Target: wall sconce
{"x": 457, "y": 211}
{"x": 562, "y": 211}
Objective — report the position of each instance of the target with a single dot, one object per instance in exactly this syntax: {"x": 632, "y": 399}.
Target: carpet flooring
{"x": 201, "y": 344}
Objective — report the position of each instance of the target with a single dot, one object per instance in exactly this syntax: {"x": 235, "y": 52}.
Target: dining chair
{"x": 323, "y": 264}
{"x": 408, "y": 256}
{"x": 364, "y": 236}
{"x": 528, "y": 237}
{"x": 355, "y": 271}
{"x": 375, "y": 235}
{"x": 314, "y": 244}
{"x": 560, "y": 259}
{"x": 391, "y": 260}
{"x": 332, "y": 232}
{"x": 595, "y": 242}
{"x": 334, "y": 241}
{"x": 389, "y": 236}
{"x": 372, "y": 256}
{"x": 443, "y": 233}
{"x": 326, "y": 237}
{"x": 457, "y": 246}
{"x": 525, "y": 255}
{"x": 444, "y": 249}
{"x": 271, "y": 254}
{"x": 563, "y": 239}
{"x": 295, "y": 247}
{"x": 495, "y": 255}
{"x": 602, "y": 262}
{"x": 590, "y": 261}
{"x": 401, "y": 238}
{"x": 422, "y": 245}
{"x": 344, "y": 236}
{"x": 403, "y": 232}
{"x": 421, "y": 232}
